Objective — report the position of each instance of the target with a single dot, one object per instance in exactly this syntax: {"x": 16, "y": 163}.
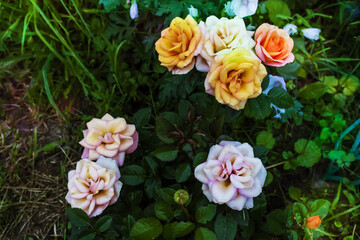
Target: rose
{"x": 313, "y": 222}
{"x": 178, "y": 45}
{"x": 109, "y": 137}
{"x": 231, "y": 175}
{"x": 221, "y": 36}
{"x": 273, "y": 45}
{"x": 94, "y": 186}
{"x": 235, "y": 77}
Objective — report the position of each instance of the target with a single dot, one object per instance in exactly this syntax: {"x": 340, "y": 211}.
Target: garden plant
{"x": 168, "y": 119}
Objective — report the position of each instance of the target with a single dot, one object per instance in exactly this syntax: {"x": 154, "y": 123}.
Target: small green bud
{"x": 181, "y": 197}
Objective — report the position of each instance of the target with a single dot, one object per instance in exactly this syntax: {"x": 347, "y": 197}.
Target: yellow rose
{"x": 235, "y": 77}
{"x": 178, "y": 45}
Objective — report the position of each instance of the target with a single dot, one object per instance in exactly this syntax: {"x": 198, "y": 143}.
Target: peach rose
{"x": 178, "y": 45}
{"x": 273, "y": 45}
{"x": 94, "y": 186}
{"x": 220, "y": 37}
{"x": 235, "y": 77}
{"x": 313, "y": 222}
{"x": 110, "y": 138}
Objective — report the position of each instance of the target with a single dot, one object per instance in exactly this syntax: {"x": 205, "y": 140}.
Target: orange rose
{"x": 273, "y": 45}
{"x": 178, "y": 45}
{"x": 235, "y": 77}
{"x": 313, "y": 222}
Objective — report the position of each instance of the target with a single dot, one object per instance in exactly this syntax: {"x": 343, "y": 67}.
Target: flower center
{"x": 107, "y": 138}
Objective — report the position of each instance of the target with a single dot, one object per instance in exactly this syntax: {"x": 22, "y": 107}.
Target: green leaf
{"x": 350, "y": 84}
{"x": 225, "y": 227}
{"x": 109, "y": 5}
{"x": 289, "y": 70}
{"x": 309, "y": 153}
{"x": 184, "y": 108}
{"x": 87, "y": 235}
{"x": 133, "y": 175}
{"x": 142, "y": 117}
{"x": 280, "y": 97}
{"x": 278, "y": 10}
{"x": 300, "y": 212}
{"x": 146, "y": 229}
{"x": 183, "y": 229}
{"x": 199, "y": 158}
{"x": 331, "y": 82}
{"x": 242, "y": 218}
{"x": 205, "y": 213}
{"x": 313, "y": 91}
{"x": 204, "y": 234}
{"x": 77, "y": 217}
{"x": 163, "y": 128}
{"x": 163, "y": 211}
{"x": 294, "y": 193}
{"x": 258, "y": 108}
{"x": 166, "y": 153}
{"x": 216, "y": 126}
{"x": 320, "y": 207}
{"x": 266, "y": 139}
{"x": 166, "y": 194}
{"x": 168, "y": 233}
{"x": 275, "y": 222}
{"x": 265, "y": 82}
{"x": 183, "y": 172}
{"x": 103, "y": 223}
{"x": 291, "y": 235}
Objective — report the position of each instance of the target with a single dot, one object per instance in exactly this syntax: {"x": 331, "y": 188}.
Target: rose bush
{"x": 179, "y": 44}
{"x": 94, "y": 186}
{"x": 235, "y": 77}
{"x": 109, "y": 137}
{"x": 231, "y": 175}
{"x": 273, "y": 45}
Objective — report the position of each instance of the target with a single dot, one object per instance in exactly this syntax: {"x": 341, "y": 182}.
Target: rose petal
{"x": 237, "y": 203}
{"x": 223, "y": 191}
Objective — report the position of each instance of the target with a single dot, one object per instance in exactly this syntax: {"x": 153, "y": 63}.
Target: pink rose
{"x": 94, "y": 186}
{"x": 231, "y": 175}
{"x": 110, "y": 138}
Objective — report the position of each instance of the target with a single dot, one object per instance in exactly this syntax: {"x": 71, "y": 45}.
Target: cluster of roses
{"x": 230, "y": 175}
{"x": 95, "y": 185}
{"x": 224, "y": 49}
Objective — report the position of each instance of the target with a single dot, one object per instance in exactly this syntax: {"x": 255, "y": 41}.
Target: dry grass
{"x": 32, "y": 182}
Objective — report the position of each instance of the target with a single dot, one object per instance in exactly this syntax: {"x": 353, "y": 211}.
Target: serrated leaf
{"x": 280, "y": 98}
{"x": 133, "y": 175}
{"x": 163, "y": 211}
{"x": 278, "y": 10}
{"x": 142, "y": 117}
{"x": 225, "y": 227}
{"x": 204, "y": 234}
{"x": 109, "y": 5}
{"x": 266, "y": 139}
{"x": 294, "y": 193}
{"x": 163, "y": 128}
{"x": 258, "y": 108}
{"x": 313, "y": 91}
{"x": 320, "y": 207}
{"x": 78, "y": 217}
{"x": 166, "y": 153}
{"x": 183, "y": 172}
{"x": 275, "y": 222}
{"x": 289, "y": 70}
{"x": 183, "y": 228}
{"x": 205, "y": 213}
{"x": 309, "y": 153}
{"x": 103, "y": 223}
{"x": 146, "y": 229}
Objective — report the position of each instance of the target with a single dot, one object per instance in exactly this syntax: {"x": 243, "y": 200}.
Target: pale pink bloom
{"x": 110, "y": 138}
{"x": 231, "y": 175}
{"x": 94, "y": 185}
